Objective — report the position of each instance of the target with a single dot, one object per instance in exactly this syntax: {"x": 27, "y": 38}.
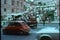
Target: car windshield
{"x": 14, "y": 24}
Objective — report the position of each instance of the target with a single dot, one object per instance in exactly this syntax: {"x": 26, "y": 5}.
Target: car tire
{"x": 21, "y": 32}
{"x": 4, "y": 32}
{"x": 26, "y": 33}
{"x": 45, "y": 38}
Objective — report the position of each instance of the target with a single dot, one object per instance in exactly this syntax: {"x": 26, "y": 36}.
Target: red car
{"x": 16, "y": 28}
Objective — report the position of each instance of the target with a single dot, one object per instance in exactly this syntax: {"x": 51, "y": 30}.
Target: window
{"x": 12, "y": 10}
{"x": 12, "y": 2}
{"x": 23, "y": 23}
{"x": 14, "y": 24}
{"x": 4, "y": 1}
{"x": 4, "y": 9}
{"x": 21, "y": 4}
{"x": 17, "y": 3}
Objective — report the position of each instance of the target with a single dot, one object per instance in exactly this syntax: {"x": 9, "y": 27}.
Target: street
{"x": 18, "y": 15}
{"x": 33, "y": 33}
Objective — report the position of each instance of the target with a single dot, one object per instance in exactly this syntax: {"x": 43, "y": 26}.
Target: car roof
{"x": 17, "y": 21}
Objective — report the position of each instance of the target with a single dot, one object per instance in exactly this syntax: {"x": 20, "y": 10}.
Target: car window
{"x": 14, "y": 24}
{"x": 24, "y": 23}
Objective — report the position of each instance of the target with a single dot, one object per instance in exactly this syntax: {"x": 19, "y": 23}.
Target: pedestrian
{"x": 43, "y": 19}
{"x": 43, "y": 22}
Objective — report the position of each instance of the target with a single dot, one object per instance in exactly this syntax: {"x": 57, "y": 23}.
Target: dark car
{"x": 32, "y": 23}
{"x": 16, "y": 28}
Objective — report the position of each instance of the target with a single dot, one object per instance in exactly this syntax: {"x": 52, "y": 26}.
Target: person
{"x": 43, "y": 22}
{"x": 43, "y": 19}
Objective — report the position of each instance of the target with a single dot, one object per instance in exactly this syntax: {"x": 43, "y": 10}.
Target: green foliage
{"x": 49, "y": 14}
{"x": 44, "y": 3}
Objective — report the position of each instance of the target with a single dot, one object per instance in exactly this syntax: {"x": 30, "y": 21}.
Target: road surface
{"x": 33, "y": 33}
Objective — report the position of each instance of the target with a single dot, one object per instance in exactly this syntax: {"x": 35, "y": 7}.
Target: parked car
{"x": 17, "y": 27}
{"x": 32, "y": 23}
{"x": 48, "y": 33}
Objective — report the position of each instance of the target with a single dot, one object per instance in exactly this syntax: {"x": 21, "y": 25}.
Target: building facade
{"x": 9, "y": 7}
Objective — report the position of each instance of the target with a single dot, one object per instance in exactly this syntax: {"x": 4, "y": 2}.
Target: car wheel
{"x": 21, "y": 32}
{"x": 45, "y": 38}
{"x": 26, "y": 33}
{"x": 4, "y": 32}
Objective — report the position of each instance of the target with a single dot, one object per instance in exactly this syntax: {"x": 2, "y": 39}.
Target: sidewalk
{"x": 57, "y": 21}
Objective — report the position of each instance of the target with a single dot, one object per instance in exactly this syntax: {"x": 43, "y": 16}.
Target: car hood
{"x": 49, "y": 30}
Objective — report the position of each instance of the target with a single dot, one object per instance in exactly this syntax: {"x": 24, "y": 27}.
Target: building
{"x": 13, "y": 7}
{"x": 9, "y": 7}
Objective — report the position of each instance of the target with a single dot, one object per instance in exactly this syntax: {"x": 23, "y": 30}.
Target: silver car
{"x": 48, "y": 33}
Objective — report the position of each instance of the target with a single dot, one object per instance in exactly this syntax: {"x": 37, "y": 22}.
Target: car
{"x": 16, "y": 28}
{"x": 32, "y": 23}
{"x": 48, "y": 33}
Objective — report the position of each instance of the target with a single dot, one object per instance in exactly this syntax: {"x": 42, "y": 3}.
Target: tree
{"x": 51, "y": 15}
{"x": 25, "y": 7}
